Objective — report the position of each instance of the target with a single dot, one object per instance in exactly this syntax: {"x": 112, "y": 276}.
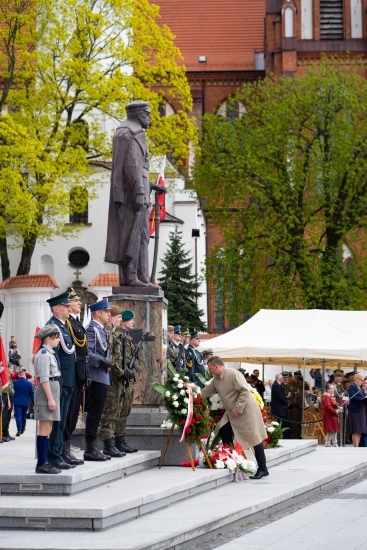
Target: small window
{"x": 79, "y": 205}
{"x": 231, "y": 110}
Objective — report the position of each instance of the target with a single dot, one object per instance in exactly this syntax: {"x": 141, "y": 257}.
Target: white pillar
{"x": 356, "y": 18}
{"x": 306, "y": 19}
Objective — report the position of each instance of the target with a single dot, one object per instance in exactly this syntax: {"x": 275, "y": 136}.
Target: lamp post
{"x": 195, "y": 233}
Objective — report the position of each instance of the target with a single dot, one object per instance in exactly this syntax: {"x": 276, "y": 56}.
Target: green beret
{"x": 127, "y": 315}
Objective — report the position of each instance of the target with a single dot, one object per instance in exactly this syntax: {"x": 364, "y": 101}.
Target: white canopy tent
{"x": 297, "y": 337}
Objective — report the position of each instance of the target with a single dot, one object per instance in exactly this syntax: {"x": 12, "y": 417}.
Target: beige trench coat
{"x": 236, "y": 395}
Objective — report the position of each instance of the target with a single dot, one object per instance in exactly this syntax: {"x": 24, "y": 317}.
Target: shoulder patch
{"x": 43, "y": 350}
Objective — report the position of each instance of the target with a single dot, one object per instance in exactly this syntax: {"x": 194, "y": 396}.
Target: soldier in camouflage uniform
{"x": 120, "y": 395}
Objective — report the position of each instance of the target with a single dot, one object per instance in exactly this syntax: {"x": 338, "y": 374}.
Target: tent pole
{"x": 303, "y": 395}
{"x": 323, "y": 376}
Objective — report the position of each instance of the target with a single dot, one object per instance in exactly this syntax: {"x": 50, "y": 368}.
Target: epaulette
{"x": 43, "y": 350}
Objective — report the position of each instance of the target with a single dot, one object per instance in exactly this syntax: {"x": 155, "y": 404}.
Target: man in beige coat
{"x": 242, "y": 416}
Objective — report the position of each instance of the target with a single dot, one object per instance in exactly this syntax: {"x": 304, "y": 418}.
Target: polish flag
{"x": 87, "y": 316}
{"x": 161, "y": 199}
{"x": 40, "y": 323}
{"x": 4, "y": 380}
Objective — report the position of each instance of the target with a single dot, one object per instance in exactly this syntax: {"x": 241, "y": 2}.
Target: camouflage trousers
{"x": 125, "y": 410}
{"x": 116, "y": 410}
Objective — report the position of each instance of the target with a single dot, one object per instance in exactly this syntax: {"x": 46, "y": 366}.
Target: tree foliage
{"x": 286, "y": 185}
{"x": 68, "y": 67}
{"x": 180, "y": 286}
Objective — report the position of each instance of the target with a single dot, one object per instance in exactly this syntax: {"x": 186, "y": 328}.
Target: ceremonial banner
{"x": 3, "y": 366}
{"x": 40, "y": 323}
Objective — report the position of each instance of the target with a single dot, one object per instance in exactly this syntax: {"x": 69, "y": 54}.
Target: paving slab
{"x": 184, "y": 524}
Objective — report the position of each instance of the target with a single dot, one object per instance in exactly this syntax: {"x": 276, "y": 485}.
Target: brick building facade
{"x": 226, "y": 43}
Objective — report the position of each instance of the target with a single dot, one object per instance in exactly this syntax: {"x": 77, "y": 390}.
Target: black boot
{"x": 68, "y": 457}
{"x": 122, "y": 446}
{"x": 110, "y": 449}
{"x": 93, "y": 453}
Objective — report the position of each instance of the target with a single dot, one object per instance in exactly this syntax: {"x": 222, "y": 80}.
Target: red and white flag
{"x": 4, "y": 379}
{"x": 40, "y": 323}
{"x": 161, "y": 199}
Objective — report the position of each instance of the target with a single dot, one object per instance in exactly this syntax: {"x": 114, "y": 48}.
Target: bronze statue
{"x": 128, "y": 216}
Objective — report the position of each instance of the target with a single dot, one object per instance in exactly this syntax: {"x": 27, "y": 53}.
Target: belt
{"x": 83, "y": 358}
{"x": 53, "y": 378}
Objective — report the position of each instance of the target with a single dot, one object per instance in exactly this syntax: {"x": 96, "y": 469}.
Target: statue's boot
{"x": 128, "y": 276}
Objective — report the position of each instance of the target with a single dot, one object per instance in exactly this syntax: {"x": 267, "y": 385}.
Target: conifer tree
{"x": 179, "y": 285}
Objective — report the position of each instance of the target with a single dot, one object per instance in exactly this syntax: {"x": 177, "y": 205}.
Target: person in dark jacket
{"x": 279, "y": 403}
{"x": 23, "y": 392}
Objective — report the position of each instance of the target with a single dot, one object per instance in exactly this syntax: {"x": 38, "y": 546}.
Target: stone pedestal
{"x": 150, "y": 313}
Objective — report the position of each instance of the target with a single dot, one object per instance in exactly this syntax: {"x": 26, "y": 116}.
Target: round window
{"x": 79, "y": 258}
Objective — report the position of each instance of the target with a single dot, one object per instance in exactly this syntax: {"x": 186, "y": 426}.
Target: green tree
{"x": 180, "y": 286}
{"x": 287, "y": 187}
{"x": 86, "y": 60}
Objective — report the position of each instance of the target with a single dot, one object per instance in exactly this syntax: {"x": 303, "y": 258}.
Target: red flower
{"x": 199, "y": 417}
{"x": 193, "y": 421}
{"x": 189, "y": 430}
{"x": 183, "y": 421}
{"x": 197, "y": 400}
{"x": 200, "y": 407}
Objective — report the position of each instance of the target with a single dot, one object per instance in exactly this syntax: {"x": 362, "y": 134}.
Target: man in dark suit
{"x": 279, "y": 403}
{"x": 99, "y": 372}
{"x": 79, "y": 337}
{"x": 65, "y": 355}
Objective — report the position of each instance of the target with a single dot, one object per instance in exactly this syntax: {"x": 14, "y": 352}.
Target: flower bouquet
{"x": 275, "y": 433}
{"x": 225, "y": 456}
{"x": 187, "y": 409}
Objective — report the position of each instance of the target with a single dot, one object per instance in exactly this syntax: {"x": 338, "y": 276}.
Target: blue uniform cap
{"x": 177, "y": 329}
{"x": 102, "y": 304}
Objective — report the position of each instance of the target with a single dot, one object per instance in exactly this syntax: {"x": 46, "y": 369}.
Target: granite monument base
{"x": 144, "y": 432}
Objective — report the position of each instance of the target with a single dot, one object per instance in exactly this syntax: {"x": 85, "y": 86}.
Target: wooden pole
{"x": 190, "y": 455}
{"x": 166, "y": 447}
{"x": 210, "y": 465}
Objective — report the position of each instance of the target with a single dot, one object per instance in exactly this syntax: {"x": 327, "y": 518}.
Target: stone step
{"x": 24, "y": 481}
{"x": 113, "y": 503}
{"x": 187, "y": 523}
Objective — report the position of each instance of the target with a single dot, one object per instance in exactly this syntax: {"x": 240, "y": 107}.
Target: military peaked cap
{"x": 60, "y": 299}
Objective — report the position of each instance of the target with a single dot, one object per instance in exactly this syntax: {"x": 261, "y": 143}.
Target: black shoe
{"x": 22, "y": 432}
{"x": 6, "y": 438}
{"x": 122, "y": 446}
{"x": 259, "y": 474}
{"x": 18, "y": 433}
{"x": 110, "y": 449}
{"x": 71, "y": 459}
{"x": 10, "y": 438}
{"x": 63, "y": 466}
{"x": 92, "y": 453}
{"x": 47, "y": 468}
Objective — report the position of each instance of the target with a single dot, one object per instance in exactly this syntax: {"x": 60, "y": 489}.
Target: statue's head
{"x": 139, "y": 112}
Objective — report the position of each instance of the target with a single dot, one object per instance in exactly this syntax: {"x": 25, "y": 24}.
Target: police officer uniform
{"x": 195, "y": 360}
{"x": 99, "y": 372}
{"x": 69, "y": 380}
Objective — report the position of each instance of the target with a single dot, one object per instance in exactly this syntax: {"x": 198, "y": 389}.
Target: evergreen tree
{"x": 179, "y": 285}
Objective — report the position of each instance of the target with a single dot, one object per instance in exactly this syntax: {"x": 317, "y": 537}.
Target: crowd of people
{"x": 75, "y": 369}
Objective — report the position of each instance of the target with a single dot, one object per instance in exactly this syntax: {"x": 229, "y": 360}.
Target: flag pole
{"x": 156, "y": 236}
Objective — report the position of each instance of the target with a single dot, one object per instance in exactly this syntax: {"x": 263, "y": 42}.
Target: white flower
{"x": 214, "y": 407}
{"x": 270, "y": 429}
{"x": 175, "y": 404}
{"x": 168, "y": 393}
{"x": 219, "y": 464}
{"x": 231, "y": 464}
{"x": 251, "y": 466}
{"x": 174, "y": 397}
{"x": 183, "y": 411}
{"x": 275, "y": 423}
{"x": 240, "y": 459}
{"x": 176, "y": 378}
{"x": 186, "y": 378}
{"x": 194, "y": 395}
{"x": 166, "y": 424}
{"x": 186, "y": 400}
{"x": 182, "y": 392}
{"x": 180, "y": 385}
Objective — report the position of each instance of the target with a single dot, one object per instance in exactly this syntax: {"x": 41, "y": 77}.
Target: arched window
{"x": 165, "y": 109}
{"x": 79, "y": 205}
{"x": 230, "y": 109}
{"x": 46, "y": 265}
{"x": 288, "y": 17}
